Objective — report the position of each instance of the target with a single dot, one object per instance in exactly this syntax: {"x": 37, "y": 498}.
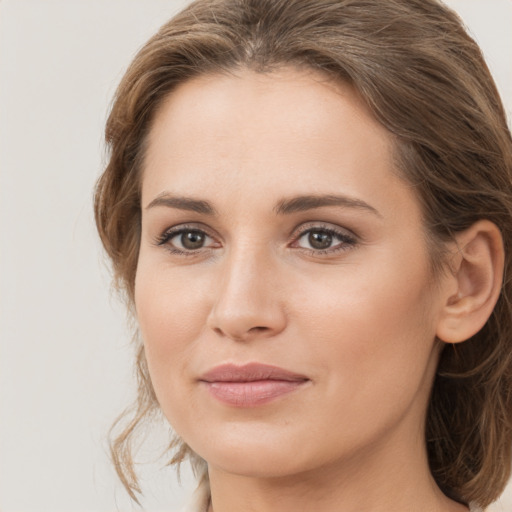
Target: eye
{"x": 319, "y": 239}
{"x": 324, "y": 240}
{"x": 190, "y": 240}
{"x": 182, "y": 240}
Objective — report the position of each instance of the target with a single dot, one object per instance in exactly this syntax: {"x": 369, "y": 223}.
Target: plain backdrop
{"x": 65, "y": 354}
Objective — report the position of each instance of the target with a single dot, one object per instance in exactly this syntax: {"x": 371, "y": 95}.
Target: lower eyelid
{"x": 175, "y": 231}
{"x": 176, "y": 235}
{"x": 342, "y": 240}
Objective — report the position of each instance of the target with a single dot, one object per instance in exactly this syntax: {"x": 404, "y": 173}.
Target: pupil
{"x": 192, "y": 240}
{"x": 320, "y": 239}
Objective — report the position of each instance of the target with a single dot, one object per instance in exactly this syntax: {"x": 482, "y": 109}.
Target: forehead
{"x": 281, "y": 133}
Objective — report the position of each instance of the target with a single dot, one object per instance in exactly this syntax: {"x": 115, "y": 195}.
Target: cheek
{"x": 171, "y": 312}
{"x": 370, "y": 341}
{"x": 370, "y": 326}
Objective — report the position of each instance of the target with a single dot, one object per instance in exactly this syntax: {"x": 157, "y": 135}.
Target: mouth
{"x": 250, "y": 385}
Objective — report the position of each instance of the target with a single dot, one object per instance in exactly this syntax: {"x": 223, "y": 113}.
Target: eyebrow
{"x": 310, "y": 202}
{"x": 283, "y": 207}
{"x": 182, "y": 203}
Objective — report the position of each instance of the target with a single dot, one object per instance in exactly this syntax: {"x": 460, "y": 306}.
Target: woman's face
{"x": 275, "y": 232}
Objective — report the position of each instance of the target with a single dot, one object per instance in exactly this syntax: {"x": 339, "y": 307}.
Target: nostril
{"x": 246, "y": 320}
{"x": 258, "y": 329}
{"x": 242, "y": 336}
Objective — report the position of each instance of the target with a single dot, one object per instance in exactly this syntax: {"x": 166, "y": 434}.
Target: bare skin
{"x": 275, "y": 230}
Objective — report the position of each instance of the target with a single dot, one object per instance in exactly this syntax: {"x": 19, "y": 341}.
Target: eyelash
{"x": 345, "y": 241}
{"x": 169, "y": 234}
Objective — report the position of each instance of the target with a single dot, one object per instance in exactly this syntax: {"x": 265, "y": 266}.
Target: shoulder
{"x": 200, "y": 500}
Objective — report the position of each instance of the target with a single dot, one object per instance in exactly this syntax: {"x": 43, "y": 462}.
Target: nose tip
{"x": 237, "y": 331}
{"x": 246, "y": 323}
{"x": 247, "y": 305}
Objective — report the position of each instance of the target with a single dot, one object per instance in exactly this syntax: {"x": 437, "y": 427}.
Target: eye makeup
{"x": 314, "y": 238}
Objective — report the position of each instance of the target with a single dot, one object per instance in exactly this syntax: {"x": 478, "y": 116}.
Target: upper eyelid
{"x": 296, "y": 233}
{"x": 303, "y": 226}
{"x": 164, "y": 237}
{"x": 327, "y": 226}
{"x": 190, "y": 226}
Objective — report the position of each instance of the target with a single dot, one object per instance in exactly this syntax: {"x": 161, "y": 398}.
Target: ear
{"x": 474, "y": 282}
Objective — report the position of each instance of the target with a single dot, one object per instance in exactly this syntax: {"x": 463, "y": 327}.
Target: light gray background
{"x": 65, "y": 358}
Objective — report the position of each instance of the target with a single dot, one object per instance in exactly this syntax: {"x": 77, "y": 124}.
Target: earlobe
{"x": 476, "y": 275}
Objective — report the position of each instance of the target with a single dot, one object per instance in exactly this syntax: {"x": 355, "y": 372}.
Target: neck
{"x": 379, "y": 479}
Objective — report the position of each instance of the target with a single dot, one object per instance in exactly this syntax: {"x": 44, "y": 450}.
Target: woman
{"x": 308, "y": 205}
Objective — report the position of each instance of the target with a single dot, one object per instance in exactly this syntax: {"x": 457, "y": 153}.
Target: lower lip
{"x": 251, "y": 394}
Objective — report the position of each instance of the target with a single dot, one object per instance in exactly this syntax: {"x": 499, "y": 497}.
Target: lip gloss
{"x": 250, "y": 394}
{"x": 250, "y": 385}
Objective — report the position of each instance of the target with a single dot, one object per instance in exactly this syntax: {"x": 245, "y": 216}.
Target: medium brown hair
{"x": 426, "y": 81}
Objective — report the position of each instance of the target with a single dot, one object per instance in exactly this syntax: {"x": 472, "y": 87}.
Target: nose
{"x": 248, "y": 300}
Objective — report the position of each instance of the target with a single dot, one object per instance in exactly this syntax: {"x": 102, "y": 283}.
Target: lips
{"x": 251, "y": 384}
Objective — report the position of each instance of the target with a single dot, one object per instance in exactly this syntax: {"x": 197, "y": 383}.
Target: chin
{"x": 255, "y": 453}
{"x": 254, "y": 463}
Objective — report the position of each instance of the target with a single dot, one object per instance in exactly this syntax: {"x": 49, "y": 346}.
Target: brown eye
{"x": 319, "y": 239}
{"x": 324, "y": 240}
{"x": 183, "y": 240}
{"x": 192, "y": 240}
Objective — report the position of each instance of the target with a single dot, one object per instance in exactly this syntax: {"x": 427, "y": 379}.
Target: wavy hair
{"x": 425, "y": 80}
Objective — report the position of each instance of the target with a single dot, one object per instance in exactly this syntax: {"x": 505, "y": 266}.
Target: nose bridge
{"x": 241, "y": 264}
{"x": 247, "y": 299}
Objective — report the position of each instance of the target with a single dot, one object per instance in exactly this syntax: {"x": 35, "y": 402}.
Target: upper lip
{"x": 249, "y": 373}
